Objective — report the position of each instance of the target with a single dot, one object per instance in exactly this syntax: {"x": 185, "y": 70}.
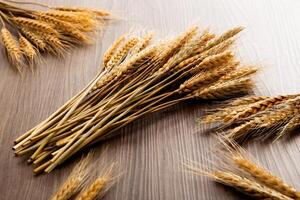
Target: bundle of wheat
{"x": 234, "y": 168}
{"x": 259, "y": 117}
{"x": 26, "y": 33}
{"x": 139, "y": 77}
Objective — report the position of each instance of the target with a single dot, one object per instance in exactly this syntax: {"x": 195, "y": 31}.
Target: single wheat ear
{"x": 100, "y": 185}
{"x": 266, "y": 177}
{"x": 28, "y": 50}
{"x": 247, "y": 186}
{"x": 112, "y": 50}
{"x": 237, "y": 155}
{"x": 12, "y": 49}
{"x": 74, "y": 182}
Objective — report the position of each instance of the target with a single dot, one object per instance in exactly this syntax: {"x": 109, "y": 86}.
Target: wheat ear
{"x": 247, "y": 186}
{"x": 34, "y": 38}
{"x": 112, "y": 49}
{"x": 121, "y": 52}
{"x": 221, "y": 90}
{"x": 74, "y": 182}
{"x": 27, "y": 49}
{"x": 266, "y": 177}
{"x": 12, "y": 49}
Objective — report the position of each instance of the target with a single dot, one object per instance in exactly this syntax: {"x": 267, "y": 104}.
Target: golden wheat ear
{"x": 75, "y": 181}
{"x": 28, "y": 50}
{"x": 232, "y": 166}
{"x": 98, "y": 186}
{"x": 12, "y": 48}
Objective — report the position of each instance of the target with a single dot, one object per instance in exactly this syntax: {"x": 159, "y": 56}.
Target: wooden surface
{"x": 150, "y": 150}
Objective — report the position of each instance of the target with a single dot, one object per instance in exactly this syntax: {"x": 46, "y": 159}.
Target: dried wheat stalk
{"x": 233, "y": 167}
{"x": 258, "y": 117}
{"x": 54, "y": 30}
{"x": 139, "y": 77}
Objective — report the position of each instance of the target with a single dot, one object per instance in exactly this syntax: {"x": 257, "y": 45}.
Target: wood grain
{"x": 150, "y": 150}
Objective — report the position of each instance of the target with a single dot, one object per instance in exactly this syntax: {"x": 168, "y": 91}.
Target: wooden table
{"x": 150, "y": 150}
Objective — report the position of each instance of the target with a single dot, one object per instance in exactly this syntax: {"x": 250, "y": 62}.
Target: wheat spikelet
{"x": 247, "y": 186}
{"x": 121, "y": 52}
{"x": 34, "y": 24}
{"x": 222, "y": 90}
{"x": 242, "y": 72}
{"x": 34, "y": 38}
{"x": 12, "y": 49}
{"x": 112, "y": 50}
{"x": 213, "y": 61}
{"x": 266, "y": 177}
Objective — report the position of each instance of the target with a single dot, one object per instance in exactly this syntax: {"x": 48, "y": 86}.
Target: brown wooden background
{"x": 150, "y": 149}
